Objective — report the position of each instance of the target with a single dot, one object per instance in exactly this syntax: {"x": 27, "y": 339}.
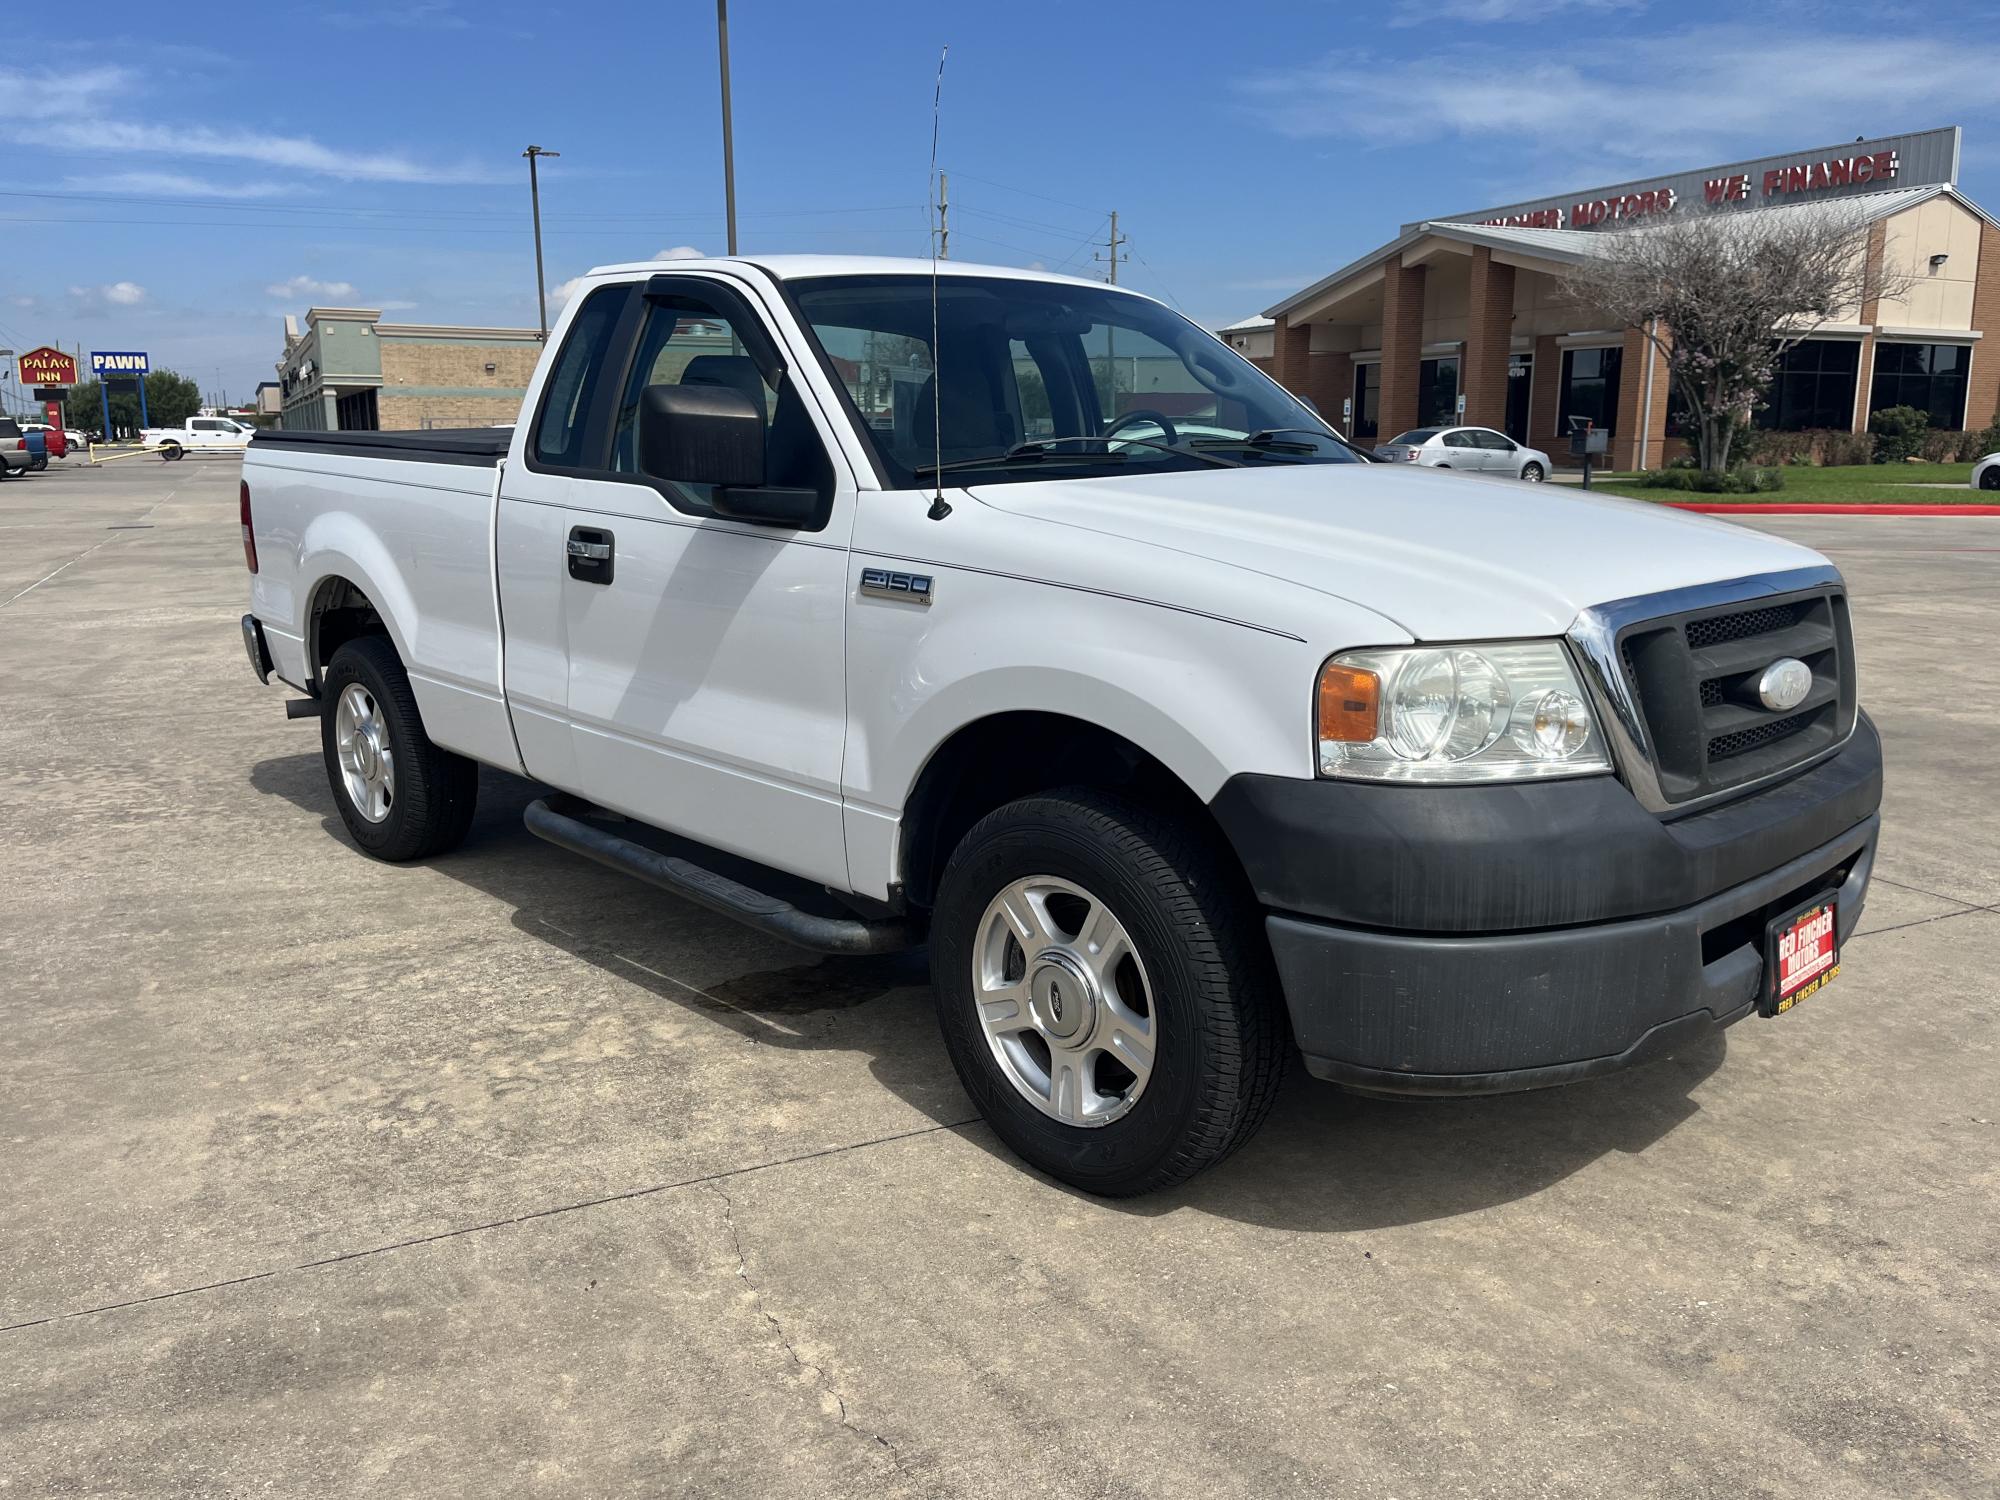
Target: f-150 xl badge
{"x": 885, "y": 584}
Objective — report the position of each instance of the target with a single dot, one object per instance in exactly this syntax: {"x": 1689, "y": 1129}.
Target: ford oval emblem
{"x": 1784, "y": 684}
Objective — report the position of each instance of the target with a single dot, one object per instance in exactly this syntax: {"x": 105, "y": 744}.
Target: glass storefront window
{"x": 1367, "y": 402}
{"x": 1930, "y": 377}
{"x": 1813, "y": 387}
{"x": 1590, "y": 386}
{"x": 1437, "y": 392}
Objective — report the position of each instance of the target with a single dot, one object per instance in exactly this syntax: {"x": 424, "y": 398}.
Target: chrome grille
{"x": 1678, "y": 677}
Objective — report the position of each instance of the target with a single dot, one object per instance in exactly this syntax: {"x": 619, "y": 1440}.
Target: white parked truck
{"x": 199, "y": 435}
{"x": 1016, "y": 614}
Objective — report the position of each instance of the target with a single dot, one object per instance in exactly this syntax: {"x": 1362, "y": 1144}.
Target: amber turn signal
{"x": 1350, "y": 701}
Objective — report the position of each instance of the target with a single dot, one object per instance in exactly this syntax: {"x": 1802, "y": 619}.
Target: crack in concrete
{"x": 349, "y": 1256}
{"x": 821, "y": 1382}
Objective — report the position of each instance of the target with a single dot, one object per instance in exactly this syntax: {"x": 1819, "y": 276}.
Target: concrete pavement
{"x": 505, "y": 1175}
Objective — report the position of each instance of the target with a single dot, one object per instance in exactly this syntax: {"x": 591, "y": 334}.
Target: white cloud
{"x": 425, "y": 15}
{"x": 678, "y": 252}
{"x": 1704, "y": 93}
{"x": 97, "y": 299}
{"x": 97, "y": 110}
{"x": 305, "y": 286}
{"x": 1482, "y": 12}
{"x": 394, "y": 306}
{"x": 562, "y": 291}
{"x": 179, "y": 185}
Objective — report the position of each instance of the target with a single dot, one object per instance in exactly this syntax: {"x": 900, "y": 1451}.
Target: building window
{"x": 1590, "y": 387}
{"x": 355, "y": 412}
{"x": 1367, "y": 401}
{"x": 1520, "y": 393}
{"x": 1813, "y": 387}
{"x": 1437, "y": 392}
{"x": 1930, "y": 377}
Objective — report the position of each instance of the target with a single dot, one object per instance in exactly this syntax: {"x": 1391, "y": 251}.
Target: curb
{"x": 1832, "y": 510}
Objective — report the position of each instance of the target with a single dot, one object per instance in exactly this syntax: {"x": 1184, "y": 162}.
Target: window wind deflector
{"x": 728, "y": 304}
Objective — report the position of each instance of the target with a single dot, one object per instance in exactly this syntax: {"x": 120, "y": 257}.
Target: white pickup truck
{"x": 1018, "y": 615}
{"x": 199, "y": 435}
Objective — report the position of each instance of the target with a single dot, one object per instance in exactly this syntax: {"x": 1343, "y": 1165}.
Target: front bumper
{"x": 1498, "y": 938}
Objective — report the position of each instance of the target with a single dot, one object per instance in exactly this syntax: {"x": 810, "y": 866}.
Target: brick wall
{"x": 1488, "y": 334}
{"x": 1633, "y": 417}
{"x": 1546, "y": 398}
{"x": 1982, "y": 399}
{"x": 1402, "y": 345}
{"x": 408, "y": 413}
{"x": 454, "y": 364}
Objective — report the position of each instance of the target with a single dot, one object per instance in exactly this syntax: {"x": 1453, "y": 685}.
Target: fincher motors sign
{"x": 1921, "y": 159}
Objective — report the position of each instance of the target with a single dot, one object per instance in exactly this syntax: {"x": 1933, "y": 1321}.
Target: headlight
{"x": 1499, "y": 712}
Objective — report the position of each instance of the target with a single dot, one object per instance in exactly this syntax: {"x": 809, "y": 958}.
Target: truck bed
{"x": 482, "y": 447}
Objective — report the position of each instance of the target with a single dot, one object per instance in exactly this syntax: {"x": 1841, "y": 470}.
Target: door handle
{"x": 590, "y": 553}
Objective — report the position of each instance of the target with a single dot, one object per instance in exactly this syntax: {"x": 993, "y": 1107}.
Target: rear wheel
{"x": 400, "y": 796}
{"x": 38, "y": 463}
{"x": 1104, "y": 992}
{"x": 1532, "y": 473}
{"x": 170, "y": 451}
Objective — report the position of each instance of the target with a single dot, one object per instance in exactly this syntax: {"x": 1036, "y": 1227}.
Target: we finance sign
{"x": 119, "y": 363}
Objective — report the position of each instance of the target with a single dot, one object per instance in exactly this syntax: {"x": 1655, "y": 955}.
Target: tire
{"x": 38, "y": 463}
{"x": 1214, "y": 1028}
{"x": 1532, "y": 473}
{"x": 169, "y": 452}
{"x": 426, "y": 800}
{"x": 1990, "y": 480}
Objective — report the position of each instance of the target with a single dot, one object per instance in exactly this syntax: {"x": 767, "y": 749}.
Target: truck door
{"x": 706, "y": 656}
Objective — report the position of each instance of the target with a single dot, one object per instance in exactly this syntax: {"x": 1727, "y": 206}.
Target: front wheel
{"x": 400, "y": 796}
{"x": 1104, "y": 991}
{"x": 1990, "y": 480}
{"x": 1532, "y": 473}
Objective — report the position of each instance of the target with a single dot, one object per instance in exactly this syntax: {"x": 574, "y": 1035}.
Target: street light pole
{"x": 728, "y": 133}
{"x": 535, "y": 198}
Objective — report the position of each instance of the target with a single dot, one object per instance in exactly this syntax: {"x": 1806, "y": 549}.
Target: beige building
{"x": 1462, "y": 319}
{"x": 348, "y": 370}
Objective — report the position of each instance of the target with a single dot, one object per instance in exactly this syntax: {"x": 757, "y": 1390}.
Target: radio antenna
{"x": 940, "y": 507}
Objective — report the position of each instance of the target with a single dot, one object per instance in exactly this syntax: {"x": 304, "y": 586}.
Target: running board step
{"x": 753, "y": 908}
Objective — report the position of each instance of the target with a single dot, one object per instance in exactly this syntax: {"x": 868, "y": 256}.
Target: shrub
{"x": 1744, "y": 480}
{"x": 1844, "y": 448}
{"x": 1976, "y": 445}
{"x": 1899, "y": 432}
{"x": 1940, "y": 447}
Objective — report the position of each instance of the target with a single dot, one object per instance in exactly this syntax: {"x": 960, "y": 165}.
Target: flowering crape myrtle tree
{"x": 1722, "y": 295}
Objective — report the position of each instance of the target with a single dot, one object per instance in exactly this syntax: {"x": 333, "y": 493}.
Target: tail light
{"x": 249, "y": 535}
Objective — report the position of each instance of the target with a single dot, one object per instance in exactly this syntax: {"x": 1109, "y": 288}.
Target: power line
{"x": 1159, "y": 278}
{"x": 987, "y": 213}
{"x": 491, "y": 215}
{"x": 1006, "y": 187}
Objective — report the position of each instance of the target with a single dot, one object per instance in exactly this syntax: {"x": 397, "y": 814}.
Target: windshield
{"x": 1040, "y": 376}
{"x": 1417, "y": 437}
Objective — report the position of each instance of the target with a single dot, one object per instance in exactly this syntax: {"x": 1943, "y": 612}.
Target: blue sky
{"x": 179, "y": 187}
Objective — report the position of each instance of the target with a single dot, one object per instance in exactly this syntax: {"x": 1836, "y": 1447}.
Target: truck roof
{"x": 793, "y": 267}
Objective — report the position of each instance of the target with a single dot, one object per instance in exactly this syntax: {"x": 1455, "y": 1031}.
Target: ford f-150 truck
{"x": 1017, "y": 615}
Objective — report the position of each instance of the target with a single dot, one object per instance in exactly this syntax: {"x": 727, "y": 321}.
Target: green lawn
{"x": 1863, "y": 484}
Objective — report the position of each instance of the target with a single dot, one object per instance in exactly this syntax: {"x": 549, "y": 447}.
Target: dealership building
{"x": 1470, "y": 308}
{"x": 348, "y": 370}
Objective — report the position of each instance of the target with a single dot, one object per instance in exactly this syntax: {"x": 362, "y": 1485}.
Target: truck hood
{"x": 1445, "y": 556}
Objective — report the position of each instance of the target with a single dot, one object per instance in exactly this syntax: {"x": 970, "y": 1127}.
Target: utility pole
{"x": 1111, "y": 257}
{"x": 534, "y": 153}
{"x": 728, "y": 134}
{"x": 944, "y": 217}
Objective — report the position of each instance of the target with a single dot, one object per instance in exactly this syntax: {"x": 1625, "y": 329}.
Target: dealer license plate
{"x": 1801, "y": 955}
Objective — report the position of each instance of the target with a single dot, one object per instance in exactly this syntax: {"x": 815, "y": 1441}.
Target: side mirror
{"x": 701, "y": 434}
{"x": 714, "y": 435}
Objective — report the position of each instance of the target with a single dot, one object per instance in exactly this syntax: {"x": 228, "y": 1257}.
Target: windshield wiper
{"x": 1040, "y": 450}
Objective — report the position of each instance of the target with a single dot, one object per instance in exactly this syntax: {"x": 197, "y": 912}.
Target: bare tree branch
{"x": 1723, "y": 295}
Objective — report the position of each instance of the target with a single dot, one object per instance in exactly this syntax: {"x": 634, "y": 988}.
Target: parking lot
{"x": 502, "y": 1174}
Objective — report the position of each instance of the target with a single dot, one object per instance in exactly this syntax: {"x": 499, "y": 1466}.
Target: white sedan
{"x": 1986, "y": 473}
{"x": 1480, "y": 450}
